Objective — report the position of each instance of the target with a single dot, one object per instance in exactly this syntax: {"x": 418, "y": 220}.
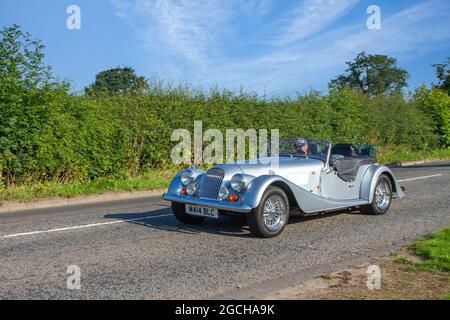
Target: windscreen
{"x": 304, "y": 147}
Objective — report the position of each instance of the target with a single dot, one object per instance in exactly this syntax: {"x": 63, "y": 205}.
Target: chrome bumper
{"x": 235, "y": 207}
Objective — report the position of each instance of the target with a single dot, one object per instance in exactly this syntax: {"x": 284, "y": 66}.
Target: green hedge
{"x": 48, "y": 134}
{"x": 436, "y": 103}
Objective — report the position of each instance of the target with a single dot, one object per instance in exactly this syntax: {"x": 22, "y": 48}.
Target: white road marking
{"x": 81, "y": 226}
{"x": 419, "y": 178}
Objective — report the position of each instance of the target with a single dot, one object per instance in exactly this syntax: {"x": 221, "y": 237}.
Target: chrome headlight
{"x": 187, "y": 177}
{"x": 190, "y": 189}
{"x": 238, "y": 182}
{"x": 223, "y": 193}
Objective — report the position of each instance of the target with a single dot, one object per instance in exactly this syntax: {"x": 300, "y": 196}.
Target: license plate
{"x": 202, "y": 211}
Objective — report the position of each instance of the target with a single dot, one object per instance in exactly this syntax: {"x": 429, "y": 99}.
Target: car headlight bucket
{"x": 238, "y": 182}
{"x": 187, "y": 177}
{"x": 223, "y": 193}
{"x": 190, "y": 189}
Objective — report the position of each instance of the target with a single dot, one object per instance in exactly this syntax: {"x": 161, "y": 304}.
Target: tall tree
{"x": 29, "y": 98}
{"x": 372, "y": 74}
{"x": 21, "y": 59}
{"x": 117, "y": 81}
{"x": 443, "y": 74}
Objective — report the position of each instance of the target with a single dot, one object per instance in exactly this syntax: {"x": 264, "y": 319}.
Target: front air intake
{"x": 210, "y": 184}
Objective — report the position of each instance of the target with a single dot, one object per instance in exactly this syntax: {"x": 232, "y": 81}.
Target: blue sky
{"x": 273, "y": 47}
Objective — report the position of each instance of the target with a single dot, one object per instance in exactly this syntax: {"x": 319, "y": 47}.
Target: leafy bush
{"x": 436, "y": 104}
{"x": 49, "y": 134}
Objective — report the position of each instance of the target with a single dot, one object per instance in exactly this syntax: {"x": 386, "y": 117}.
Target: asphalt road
{"x": 135, "y": 249}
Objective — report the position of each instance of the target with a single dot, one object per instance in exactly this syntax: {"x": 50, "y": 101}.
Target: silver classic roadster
{"x": 310, "y": 177}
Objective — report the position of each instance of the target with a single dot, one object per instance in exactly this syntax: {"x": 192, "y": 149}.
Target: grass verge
{"x": 157, "y": 178}
{"x": 434, "y": 252}
{"x": 401, "y": 154}
{"x": 154, "y": 179}
{"x": 418, "y": 271}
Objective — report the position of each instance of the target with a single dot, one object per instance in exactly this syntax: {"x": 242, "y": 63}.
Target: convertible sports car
{"x": 311, "y": 177}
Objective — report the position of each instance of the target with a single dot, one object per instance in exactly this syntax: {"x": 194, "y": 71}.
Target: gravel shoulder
{"x": 398, "y": 281}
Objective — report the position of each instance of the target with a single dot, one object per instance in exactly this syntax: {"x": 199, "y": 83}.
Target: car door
{"x": 334, "y": 187}
{"x": 305, "y": 173}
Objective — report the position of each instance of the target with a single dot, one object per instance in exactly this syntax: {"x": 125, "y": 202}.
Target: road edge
{"x": 12, "y": 206}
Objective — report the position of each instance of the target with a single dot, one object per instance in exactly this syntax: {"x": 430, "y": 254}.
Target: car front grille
{"x": 210, "y": 184}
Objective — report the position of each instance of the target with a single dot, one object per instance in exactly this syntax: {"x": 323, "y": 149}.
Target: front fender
{"x": 257, "y": 186}
{"x": 370, "y": 180}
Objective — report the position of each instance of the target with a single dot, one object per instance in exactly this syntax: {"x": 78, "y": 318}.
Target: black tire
{"x": 375, "y": 208}
{"x": 179, "y": 211}
{"x": 255, "y": 218}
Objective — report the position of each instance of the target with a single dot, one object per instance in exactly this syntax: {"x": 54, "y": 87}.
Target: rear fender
{"x": 370, "y": 179}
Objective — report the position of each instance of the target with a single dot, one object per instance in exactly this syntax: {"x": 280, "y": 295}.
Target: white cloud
{"x": 189, "y": 33}
{"x": 186, "y": 40}
{"x": 409, "y": 32}
{"x": 190, "y": 28}
{"x": 311, "y": 17}
{"x": 312, "y": 63}
{"x": 184, "y": 28}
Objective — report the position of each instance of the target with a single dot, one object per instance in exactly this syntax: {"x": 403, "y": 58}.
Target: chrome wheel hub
{"x": 382, "y": 195}
{"x": 274, "y": 213}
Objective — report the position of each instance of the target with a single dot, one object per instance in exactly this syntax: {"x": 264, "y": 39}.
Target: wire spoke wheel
{"x": 271, "y": 215}
{"x": 274, "y": 213}
{"x": 382, "y": 195}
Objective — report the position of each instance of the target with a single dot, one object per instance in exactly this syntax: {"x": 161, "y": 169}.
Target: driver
{"x": 301, "y": 146}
